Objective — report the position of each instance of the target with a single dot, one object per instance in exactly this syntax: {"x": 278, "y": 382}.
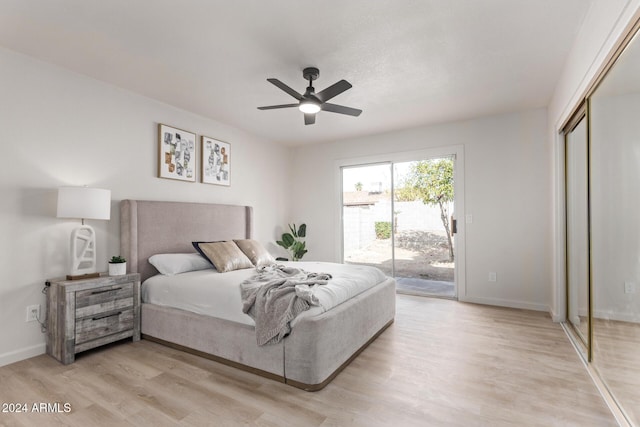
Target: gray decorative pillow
{"x": 225, "y": 256}
{"x": 255, "y": 252}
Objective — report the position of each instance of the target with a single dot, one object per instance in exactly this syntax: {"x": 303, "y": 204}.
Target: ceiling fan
{"x": 311, "y": 102}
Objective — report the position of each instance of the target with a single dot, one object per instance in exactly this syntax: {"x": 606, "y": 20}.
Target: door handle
{"x": 105, "y": 290}
{"x": 454, "y": 226}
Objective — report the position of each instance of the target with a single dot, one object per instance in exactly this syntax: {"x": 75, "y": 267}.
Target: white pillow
{"x": 170, "y": 264}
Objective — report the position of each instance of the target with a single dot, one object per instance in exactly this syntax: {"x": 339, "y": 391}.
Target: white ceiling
{"x": 411, "y": 62}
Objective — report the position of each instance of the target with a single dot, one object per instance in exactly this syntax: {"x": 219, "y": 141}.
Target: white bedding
{"x": 218, "y": 294}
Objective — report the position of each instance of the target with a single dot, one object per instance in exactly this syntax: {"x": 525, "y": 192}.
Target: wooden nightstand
{"x": 84, "y": 314}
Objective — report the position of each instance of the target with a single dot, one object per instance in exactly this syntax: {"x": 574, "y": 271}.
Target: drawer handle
{"x": 103, "y": 291}
{"x": 106, "y": 315}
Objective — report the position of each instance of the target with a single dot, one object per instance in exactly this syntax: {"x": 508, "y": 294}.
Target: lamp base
{"x": 83, "y": 253}
{"x": 83, "y": 276}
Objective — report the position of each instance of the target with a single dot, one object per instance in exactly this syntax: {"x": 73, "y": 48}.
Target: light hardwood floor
{"x": 616, "y": 356}
{"x": 441, "y": 363}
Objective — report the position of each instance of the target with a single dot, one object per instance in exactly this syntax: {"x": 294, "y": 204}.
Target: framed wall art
{"x": 176, "y": 154}
{"x": 216, "y": 161}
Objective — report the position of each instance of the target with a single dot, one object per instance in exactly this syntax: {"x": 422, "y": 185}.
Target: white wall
{"x": 507, "y": 180}
{"x": 604, "y": 25}
{"x": 60, "y": 128}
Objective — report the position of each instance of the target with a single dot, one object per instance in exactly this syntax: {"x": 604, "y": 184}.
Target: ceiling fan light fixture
{"x": 307, "y": 106}
{"x": 311, "y": 102}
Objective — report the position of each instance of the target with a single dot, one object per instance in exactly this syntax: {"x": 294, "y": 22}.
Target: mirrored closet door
{"x": 615, "y": 230}
{"x": 577, "y": 229}
{"x": 602, "y": 189}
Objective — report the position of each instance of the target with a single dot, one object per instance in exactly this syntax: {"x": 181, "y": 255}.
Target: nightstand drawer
{"x": 104, "y": 299}
{"x": 104, "y": 324}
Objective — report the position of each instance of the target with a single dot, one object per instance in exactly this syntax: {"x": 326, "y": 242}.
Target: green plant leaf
{"x": 383, "y": 229}
{"x": 299, "y": 249}
{"x": 292, "y": 241}
{"x": 288, "y": 240}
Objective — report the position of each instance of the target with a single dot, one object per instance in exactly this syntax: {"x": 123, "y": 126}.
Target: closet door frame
{"x": 581, "y": 114}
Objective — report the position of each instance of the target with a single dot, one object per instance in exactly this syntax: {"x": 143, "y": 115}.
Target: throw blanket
{"x": 275, "y": 296}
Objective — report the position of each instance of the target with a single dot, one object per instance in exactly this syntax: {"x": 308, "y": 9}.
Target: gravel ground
{"x": 419, "y": 254}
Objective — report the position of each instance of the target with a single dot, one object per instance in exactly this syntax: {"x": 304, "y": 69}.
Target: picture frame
{"x": 176, "y": 153}
{"x": 216, "y": 161}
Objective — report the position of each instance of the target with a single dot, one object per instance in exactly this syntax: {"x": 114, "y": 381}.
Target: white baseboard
{"x": 620, "y": 317}
{"x": 555, "y": 316}
{"x": 504, "y": 303}
{"x": 22, "y": 354}
{"x": 603, "y": 314}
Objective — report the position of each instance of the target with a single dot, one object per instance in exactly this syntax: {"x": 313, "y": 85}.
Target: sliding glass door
{"x": 397, "y": 216}
{"x": 367, "y": 214}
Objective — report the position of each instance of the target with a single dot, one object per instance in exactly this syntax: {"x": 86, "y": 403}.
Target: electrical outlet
{"x": 33, "y": 313}
{"x": 629, "y": 288}
{"x": 493, "y": 277}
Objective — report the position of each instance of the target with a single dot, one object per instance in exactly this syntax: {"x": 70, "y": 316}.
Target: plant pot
{"x": 117, "y": 269}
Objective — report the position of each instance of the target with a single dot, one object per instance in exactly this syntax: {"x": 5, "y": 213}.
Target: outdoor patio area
{"x": 422, "y": 265}
{"x": 434, "y": 288}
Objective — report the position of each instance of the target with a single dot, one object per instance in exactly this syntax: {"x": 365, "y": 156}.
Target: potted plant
{"x": 117, "y": 266}
{"x": 293, "y": 241}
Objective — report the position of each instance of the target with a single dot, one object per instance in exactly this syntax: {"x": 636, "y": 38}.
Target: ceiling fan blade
{"x": 273, "y": 107}
{"x": 309, "y": 119}
{"x": 285, "y": 88}
{"x": 333, "y": 90}
{"x": 340, "y": 109}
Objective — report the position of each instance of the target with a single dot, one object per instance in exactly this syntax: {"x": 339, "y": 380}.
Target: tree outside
{"x": 431, "y": 181}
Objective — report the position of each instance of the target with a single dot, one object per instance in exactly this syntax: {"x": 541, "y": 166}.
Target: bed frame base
{"x": 215, "y": 358}
{"x": 265, "y": 374}
{"x": 320, "y": 386}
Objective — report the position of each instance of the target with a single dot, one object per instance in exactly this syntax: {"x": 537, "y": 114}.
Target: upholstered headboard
{"x": 151, "y": 227}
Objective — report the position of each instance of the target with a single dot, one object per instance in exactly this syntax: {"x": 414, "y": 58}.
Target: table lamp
{"x": 83, "y": 203}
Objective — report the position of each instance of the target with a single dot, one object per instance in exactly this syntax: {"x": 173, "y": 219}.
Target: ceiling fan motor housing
{"x": 310, "y": 73}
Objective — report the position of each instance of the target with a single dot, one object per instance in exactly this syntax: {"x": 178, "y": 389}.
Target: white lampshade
{"x": 84, "y": 203}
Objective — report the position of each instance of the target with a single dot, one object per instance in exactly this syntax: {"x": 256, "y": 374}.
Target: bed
{"x": 317, "y": 349}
